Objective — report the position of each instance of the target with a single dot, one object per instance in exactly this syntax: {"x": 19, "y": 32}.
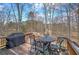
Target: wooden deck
{"x": 25, "y": 49}
{"x": 19, "y": 50}
{"x": 5, "y": 51}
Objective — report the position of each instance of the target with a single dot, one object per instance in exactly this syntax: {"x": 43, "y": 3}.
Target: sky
{"x": 37, "y": 7}
{"x": 27, "y": 8}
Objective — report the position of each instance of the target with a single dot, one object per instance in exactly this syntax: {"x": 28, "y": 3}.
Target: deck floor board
{"x": 5, "y": 51}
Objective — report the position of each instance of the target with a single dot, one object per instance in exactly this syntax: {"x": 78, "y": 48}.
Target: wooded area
{"x": 59, "y": 19}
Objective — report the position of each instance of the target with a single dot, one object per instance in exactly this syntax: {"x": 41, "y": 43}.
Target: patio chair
{"x": 34, "y": 44}
{"x": 58, "y": 48}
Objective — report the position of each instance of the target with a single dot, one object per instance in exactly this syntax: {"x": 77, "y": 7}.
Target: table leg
{"x": 43, "y": 47}
{"x": 49, "y": 49}
{"x": 35, "y": 45}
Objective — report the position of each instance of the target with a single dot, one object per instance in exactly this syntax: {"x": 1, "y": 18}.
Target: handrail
{"x": 1, "y": 37}
{"x": 73, "y": 47}
{"x": 76, "y": 48}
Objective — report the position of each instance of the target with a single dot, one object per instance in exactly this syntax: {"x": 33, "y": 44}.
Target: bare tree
{"x": 78, "y": 22}
{"x": 45, "y": 12}
{"x": 20, "y": 14}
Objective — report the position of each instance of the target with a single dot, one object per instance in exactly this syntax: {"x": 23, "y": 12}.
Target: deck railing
{"x": 73, "y": 48}
{"x": 2, "y": 42}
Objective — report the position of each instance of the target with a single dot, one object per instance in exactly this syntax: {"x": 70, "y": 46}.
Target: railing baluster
{"x": 2, "y": 42}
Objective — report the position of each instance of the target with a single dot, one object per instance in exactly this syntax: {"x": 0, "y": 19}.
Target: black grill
{"x": 15, "y": 39}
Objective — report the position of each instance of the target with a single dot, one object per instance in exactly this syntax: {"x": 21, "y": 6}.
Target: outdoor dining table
{"x": 46, "y": 41}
